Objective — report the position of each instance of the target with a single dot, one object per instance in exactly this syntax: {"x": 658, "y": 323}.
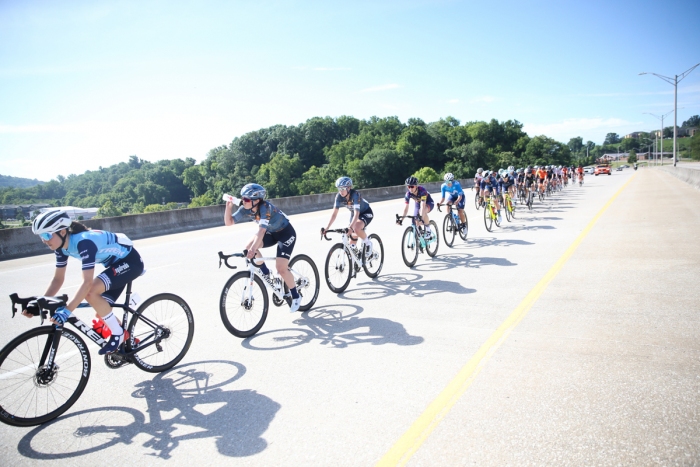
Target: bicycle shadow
{"x": 519, "y": 228}
{"x": 188, "y": 402}
{"x": 481, "y": 242}
{"x": 404, "y": 284}
{"x": 328, "y": 325}
{"x": 445, "y": 262}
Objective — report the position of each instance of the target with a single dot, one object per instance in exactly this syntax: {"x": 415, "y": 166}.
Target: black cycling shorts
{"x": 120, "y": 273}
{"x": 365, "y": 217}
{"x": 284, "y": 239}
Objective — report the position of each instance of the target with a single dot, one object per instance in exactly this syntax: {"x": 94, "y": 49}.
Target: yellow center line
{"x": 414, "y": 437}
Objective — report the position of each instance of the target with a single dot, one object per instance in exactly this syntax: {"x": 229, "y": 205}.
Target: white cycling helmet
{"x": 479, "y": 170}
{"x": 511, "y": 169}
{"x": 448, "y": 177}
{"x": 343, "y": 182}
{"x": 50, "y": 222}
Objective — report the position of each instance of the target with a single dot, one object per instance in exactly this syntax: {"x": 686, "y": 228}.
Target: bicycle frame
{"x": 345, "y": 238}
{"x": 416, "y": 233}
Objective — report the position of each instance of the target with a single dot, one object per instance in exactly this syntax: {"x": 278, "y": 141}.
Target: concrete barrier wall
{"x": 20, "y": 243}
{"x": 691, "y": 176}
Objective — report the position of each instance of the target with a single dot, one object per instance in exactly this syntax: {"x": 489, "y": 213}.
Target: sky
{"x": 85, "y": 84}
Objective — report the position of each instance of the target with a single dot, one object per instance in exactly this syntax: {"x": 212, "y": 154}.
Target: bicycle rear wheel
{"x": 508, "y": 208}
{"x": 432, "y": 247}
{"x": 243, "y": 304}
{"x": 409, "y": 247}
{"x": 306, "y": 279}
{"x": 31, "y": 393}
{"x": 166, "y": 319}
{"x": 373, "y": 264}
{"x": 338, "y": 268}
{"x": 477, "y": 201}
{"x": 449, "y": 230}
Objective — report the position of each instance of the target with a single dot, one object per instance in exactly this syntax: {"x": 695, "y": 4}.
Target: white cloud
{"x": 453, "y": 101}
{"x": 384, "y": 87}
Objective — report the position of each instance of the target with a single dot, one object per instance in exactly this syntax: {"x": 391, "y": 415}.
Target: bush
{"x": 426, "y": 174}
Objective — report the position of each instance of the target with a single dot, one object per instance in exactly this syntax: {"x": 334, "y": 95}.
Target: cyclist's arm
{"x": 333, "y": 216}
{"x": 55, "y": 285}
{"x": 228, "y": 214}
{"x": 88, "y": 277}
{"x": 257, "y": 241}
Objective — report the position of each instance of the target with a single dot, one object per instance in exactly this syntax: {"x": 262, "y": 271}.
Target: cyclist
{"x": 565, "y": 175}
{"x": 542, "y": 176}
{"x": 530, "y": 180}
{"x": 507, "y": 183}
{"x": 114, "y": 251}
{"x": 423, "y": 204}
{"x": 489, "y": 187}
{"x": 452, "y": 190}
{"x": 360, "y": 212}
{"x": 579, "y": 171}
{"x": 478, "y": 176}
{"x": 275, "y": 229}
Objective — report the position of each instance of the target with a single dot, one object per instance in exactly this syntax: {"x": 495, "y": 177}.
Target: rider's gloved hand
{"x": 399, "y": 221}
{"x": 323, "y": 231}
{"x": 61, "y": 315}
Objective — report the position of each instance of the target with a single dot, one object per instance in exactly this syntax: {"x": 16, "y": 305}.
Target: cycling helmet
{"x": 559, "y": 167}
{"x": 343, "y": 182}
{"x": 479, "y": 170}
{"x": 449, "y": 177}
{"x": 253, "y": 191}
{"x": 504, "y": 174}
{"x": 529, "y": 167}
{"x": 50, "y": 222}
{"x": 511, "y": 169}
{"x": 411, "y": 180}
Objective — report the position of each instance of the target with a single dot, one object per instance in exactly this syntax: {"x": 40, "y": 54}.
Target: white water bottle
{"x": 226, "y": 197}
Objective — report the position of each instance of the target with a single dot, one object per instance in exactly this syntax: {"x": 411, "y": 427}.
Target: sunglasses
{"x": 45, "y": 236}
{"x": 411, "y": 186}
{"x": 246, "y": 200}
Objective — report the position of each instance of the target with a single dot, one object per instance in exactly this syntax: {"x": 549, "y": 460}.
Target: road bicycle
{"x": 491, "y": 214}
{"x": 452, "y": 225}
{"x": 414, "y": 241}
{"x": 477, "y": 199}
{"x": 508, "y": 206}
{"x": 245, "y": 298}
{"x": 44, "y": 371}
{"x": 345, "y": 260}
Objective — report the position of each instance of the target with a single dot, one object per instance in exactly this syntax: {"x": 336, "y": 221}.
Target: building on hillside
{"x": 635, "y": 135}
{"x": 691, "y": 131}
{"x": 77, "y": 213}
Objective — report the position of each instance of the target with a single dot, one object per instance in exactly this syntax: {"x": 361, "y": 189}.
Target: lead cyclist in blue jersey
{"x": 114, "y": 251}
{"x": 275, "y": 229}
{"x": 360, "y": 212}
{"x": 452, "y": 192}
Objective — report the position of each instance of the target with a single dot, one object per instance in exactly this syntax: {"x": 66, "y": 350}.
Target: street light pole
{"x": 662, "y": 132}
{"x": 674, "y": 81}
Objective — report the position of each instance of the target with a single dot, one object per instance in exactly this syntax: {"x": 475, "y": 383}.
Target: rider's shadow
{"x": 333, "y": 326}
{"x": 186, "y": 403}
{"x": 481, "y": 242}
{"x": 445, "y": 262}
{"x": 404, "y": 284}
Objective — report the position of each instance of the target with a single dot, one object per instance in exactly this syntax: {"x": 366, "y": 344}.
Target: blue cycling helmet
{"x": 253, "y": 191}
{"x": 343, "y": 182}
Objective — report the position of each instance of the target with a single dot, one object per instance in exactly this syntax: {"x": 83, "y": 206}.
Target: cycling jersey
{"x": 505, "y": 183}
{"x": 92, "y": 246}
{"x": 454, "y": 191}
{"x": 421, "y": 195}
{"x": 268, "y": 217}
{"x": 541, "y": 174}
{"x": 353, "y": 201}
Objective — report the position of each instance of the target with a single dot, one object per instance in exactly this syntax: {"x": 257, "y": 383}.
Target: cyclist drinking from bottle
{"x": 114, "y": 251}
{"x": 275, "y": 229}
{"x": 360, "y": 211}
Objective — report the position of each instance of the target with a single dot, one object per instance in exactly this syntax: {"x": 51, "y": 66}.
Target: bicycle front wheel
{"x": 508, "y": 209}
{"x": 31, "y": 393}
{"x": 477, "y": 201}
{"x": 338, "y": 268}
{"x": 409, "y": 247}
{"x": 243, "y": 304}
{"x": 449, "y": 230}
{"x": 488, "y": 219}
{"x": 166, "y": 319}
{"x": 434, "y": 242}
{"x": 306, "y": 279}
{"x": 373, "y": 263}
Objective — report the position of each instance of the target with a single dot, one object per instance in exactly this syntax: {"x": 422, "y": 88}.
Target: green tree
{"x": 19, "y": 216}
{"x": 193, "y": 179}
{"x": 695, "y": 146}
{"x": 204, "y": 200}
{"x": 612, "y": 138}
{"x": 575, "y": 144}
{"x": 427, "y": 174}
{"x": 108, "y": 210}
{"x": 632, "y": 157}
{"x": 316, "y": 180}
{"x": 693, "y": 121}
{"x": 278, "y": 175}
{"x": 380, "y": 167}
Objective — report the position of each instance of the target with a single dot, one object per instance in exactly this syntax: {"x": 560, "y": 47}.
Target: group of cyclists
{"x": 68, "y": 238}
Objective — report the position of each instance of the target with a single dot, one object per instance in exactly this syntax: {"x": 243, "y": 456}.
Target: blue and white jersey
{"x": 452, "y": 192}
{"x": 268, "y": 217}
{"x": 506, "y": 182}
{"x": 92, "y": 246}
{"x": 353, "y": 201}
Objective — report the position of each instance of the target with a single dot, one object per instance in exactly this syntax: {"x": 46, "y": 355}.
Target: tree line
{"x": 306, "y": 159}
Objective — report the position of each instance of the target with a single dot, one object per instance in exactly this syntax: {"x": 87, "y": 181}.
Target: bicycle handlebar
{"x": 340, "y": 231}
{"x": 38, "y": 306}
{"x": 224, "y": 258}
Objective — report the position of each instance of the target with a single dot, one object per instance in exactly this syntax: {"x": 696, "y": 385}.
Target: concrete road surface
{"x": 567, "y": 337}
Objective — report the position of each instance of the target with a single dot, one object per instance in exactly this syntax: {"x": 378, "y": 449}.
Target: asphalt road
{"x": 567, "y": 337}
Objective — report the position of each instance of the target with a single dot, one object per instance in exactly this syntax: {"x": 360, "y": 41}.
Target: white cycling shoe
{"x": 296, "y": 303}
